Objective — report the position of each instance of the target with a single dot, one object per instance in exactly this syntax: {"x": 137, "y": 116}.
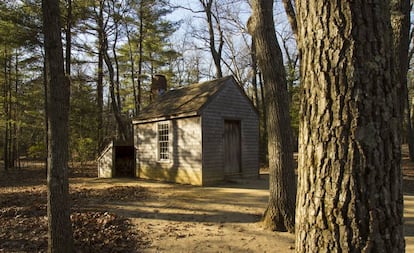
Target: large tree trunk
{"x": 400, "y": 21}
{"x": 58, "y": 208}
{"x": 349, "y": 186}
{"x": 280, "y": 212}
{"x": 263, "y": 122}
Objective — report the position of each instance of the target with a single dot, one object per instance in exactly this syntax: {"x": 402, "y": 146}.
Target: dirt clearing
{"x": 130, "y": 215}
{"x": 180, "y": 218}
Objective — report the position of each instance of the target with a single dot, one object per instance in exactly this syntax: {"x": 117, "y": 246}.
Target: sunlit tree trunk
{"x": 280, "y": 211}
{"x": 58, "y": 207}
{"x": 349, "y": 176}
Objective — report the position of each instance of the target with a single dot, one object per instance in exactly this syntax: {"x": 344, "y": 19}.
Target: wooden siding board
{"x": 229, "y": 104}
{"x": 105, "y": 162}
{"x": 185, "y": 146}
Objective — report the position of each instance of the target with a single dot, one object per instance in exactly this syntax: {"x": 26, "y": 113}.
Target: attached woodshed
{"x": 199, "y": 134}
{"x": 117, "y": 160}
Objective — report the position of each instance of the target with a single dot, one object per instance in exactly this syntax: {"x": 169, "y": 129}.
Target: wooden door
{"x": 232, "y": 147}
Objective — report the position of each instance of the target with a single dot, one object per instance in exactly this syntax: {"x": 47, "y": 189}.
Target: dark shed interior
{"x": 124, "y": 161}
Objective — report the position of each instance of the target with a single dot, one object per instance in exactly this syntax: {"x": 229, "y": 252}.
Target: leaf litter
{"x": 24, "y": 224}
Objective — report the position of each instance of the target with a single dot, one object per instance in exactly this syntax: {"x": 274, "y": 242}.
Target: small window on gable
{"x": 163, "y": 141}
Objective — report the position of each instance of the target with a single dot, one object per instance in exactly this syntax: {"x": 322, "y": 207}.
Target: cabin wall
{"x": 230, "y": 104}
{"x": 184, "y": 164}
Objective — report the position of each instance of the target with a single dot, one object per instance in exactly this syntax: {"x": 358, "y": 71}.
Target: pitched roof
{"x": 187, "y": 100}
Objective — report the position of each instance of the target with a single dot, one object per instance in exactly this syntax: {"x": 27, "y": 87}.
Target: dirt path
{"x": 166, "y": 217}
{"x": 408, "y": 188}
{"x": 409, "y": 222}
{"x": 181, "y": 218}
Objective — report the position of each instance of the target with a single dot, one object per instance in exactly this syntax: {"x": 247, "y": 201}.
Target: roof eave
{"x": 168, "y": 117}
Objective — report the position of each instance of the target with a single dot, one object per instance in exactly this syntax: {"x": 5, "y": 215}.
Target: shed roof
{"x": 183, "y": 101}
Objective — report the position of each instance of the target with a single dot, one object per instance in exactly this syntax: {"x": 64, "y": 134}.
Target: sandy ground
{"x": 409, "y": 222}
{"x": 408, "y": 188}
{"x": 225, "y": 218}
{"x": 182, "y": 218}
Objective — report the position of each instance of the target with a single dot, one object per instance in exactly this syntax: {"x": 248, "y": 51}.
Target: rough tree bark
{"x": 254, "y": 75}
{"x": 280, "y": 211}
{"x": 58, "y": 208}
{"x": 400, "y": 22}
{"x": 349, "y": 176}
{"x": 263, "y": 137}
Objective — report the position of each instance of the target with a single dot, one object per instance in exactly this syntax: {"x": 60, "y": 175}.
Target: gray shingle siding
{"x": 197, "y": 133}
{"x": 229, "y": 104}
{"x": 184, "y": 165}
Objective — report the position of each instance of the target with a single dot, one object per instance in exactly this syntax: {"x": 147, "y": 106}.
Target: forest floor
{"x": 130, "y": 215}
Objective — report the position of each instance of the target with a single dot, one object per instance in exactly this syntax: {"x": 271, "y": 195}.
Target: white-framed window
{"x": 163, "y": 141}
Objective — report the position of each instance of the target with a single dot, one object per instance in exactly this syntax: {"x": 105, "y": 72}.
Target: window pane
{"x": 163, "y": 141}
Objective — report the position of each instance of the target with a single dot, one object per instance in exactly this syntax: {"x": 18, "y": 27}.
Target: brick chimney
{"x": 158, "y": 85}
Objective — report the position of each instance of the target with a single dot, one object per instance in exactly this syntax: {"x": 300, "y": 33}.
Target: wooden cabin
{"x": 199, "y": 134}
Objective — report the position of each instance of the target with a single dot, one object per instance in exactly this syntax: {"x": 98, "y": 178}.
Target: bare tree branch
{"x": 291, "y": 14}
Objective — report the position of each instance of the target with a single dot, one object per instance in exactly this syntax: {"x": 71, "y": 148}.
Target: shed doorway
{"x": 232, "y": 147}
{"x": 124, "y": 161}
